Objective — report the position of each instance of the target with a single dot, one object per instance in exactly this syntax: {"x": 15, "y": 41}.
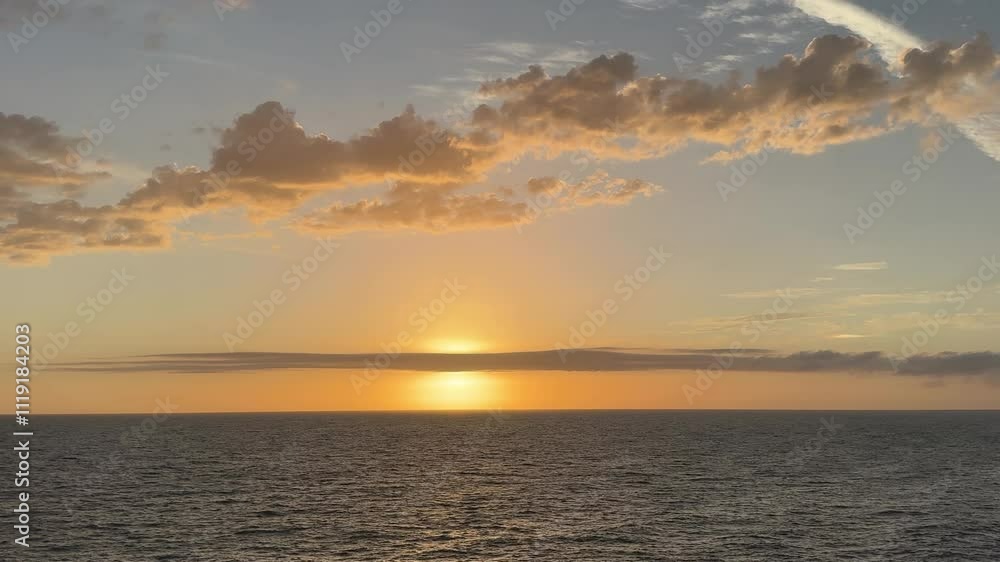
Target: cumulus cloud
{"x": 265, "y": 163}
{"x": 413, "y": 206}
{"x": 10, "y": 200}
{"x": 268, "y": 164}
{"x": 40, "y": 230}
{"x": 894, "y": 43}
{"x": 597, "y": 189}
{"x": 173, "y": 192}
{"x": 439, "y": 208}
{"x": 31, "y": 152}
{"x": 831, "y": 94}
{"x": 34, "y": 135}
{"x": 270, "y": 145}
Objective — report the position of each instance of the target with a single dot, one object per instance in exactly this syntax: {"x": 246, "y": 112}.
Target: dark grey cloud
{"x": 941, "y": 364}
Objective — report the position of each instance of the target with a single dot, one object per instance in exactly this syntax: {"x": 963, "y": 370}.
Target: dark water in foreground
{"x": 576, "y": 486}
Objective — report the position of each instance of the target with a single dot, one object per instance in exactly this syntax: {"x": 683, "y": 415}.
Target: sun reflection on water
{"x": 457, "y": 390}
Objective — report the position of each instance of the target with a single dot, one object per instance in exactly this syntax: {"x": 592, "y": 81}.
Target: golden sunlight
{"x": 457, "y": 390}
{"x": 456, "y": 346}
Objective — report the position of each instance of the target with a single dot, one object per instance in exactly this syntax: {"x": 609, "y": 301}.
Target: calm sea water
{"x": 575, "y": 486}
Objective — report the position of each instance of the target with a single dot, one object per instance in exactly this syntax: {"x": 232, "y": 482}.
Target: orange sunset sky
{"x": 756, "y": 205}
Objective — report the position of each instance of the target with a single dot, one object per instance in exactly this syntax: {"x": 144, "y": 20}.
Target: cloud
{"x": 862, "y": 266}
{"x": 941, "y": 364}
{"x": 441, "y": 208}
{"x": 412, "y": 206}
{"x": 31, "y": 149}
{"x": 890, "y": 40}
{"x": 828, "y": 96}
{"x": 265, "y": 163}
{"x": 906, "y": 297}
{"x": 649, "y": 5}
{"x": 33, "y": 153}
{"x": 792, "y": 292}
{"x": 268, "y": 144}
{"x": 269, "y": 164}
{"x": 171, "y": 192}
{"x": 44, "y": 229}
{"x": 514, "y": 53}
{"x": 34, "y": 135}
{"x": 897, "y": 47}
{"x": 728, "y": 323}
{"x": 596, "y": 189}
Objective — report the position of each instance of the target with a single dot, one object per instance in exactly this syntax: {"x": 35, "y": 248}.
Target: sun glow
{"x": 456, "y": 346}
{"x": 457, "y": 390}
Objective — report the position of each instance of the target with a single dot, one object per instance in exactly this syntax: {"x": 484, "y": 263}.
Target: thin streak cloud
{"x": 947, "y": 363}
{"x": 891, "y": 42}
{"x": 862, "y": 266}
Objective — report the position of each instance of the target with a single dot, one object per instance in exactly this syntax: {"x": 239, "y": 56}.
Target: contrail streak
{"x": 891, "y": 41}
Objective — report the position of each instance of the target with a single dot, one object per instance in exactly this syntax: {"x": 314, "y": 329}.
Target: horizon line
{"x": 535, "y": 410}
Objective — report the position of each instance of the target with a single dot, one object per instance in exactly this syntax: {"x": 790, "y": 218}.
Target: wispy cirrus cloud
{"x": 650, "y": 5}
{"x": 792, "y": 292}
{"x": 901, "y": 297}
{"x": 863, "y": 266}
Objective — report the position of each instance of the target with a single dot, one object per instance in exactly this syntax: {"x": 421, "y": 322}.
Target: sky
{"x": 249, "y": 205}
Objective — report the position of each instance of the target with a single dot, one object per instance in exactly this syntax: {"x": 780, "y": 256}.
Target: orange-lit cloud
{"x": 268, "y": 164}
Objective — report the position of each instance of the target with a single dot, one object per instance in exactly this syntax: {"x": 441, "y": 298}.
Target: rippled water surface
{"x": 576, "y": 486}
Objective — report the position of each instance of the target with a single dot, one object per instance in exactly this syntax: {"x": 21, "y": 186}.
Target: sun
{"x": 452, "y": 345}
{"x": 457, "y": 390}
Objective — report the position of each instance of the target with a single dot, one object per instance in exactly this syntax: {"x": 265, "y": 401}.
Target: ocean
{"x": 573, "y": 486}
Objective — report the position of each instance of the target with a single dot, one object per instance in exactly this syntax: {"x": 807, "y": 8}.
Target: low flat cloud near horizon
{"x": 607, "y": 360}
